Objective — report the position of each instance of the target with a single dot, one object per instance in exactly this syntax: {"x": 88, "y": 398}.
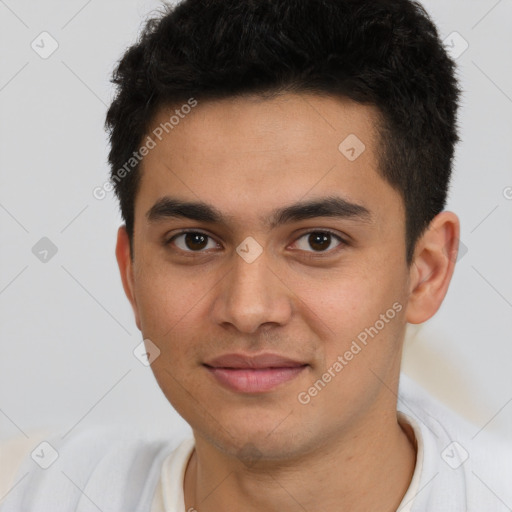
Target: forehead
{"x": 288, "y": 122}
{"x": 248, "y": 154}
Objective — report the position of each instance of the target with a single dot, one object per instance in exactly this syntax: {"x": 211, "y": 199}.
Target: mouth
{"x": 254, "y": 374}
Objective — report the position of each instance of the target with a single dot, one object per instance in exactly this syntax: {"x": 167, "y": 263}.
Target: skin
{"x": 345, "y": 449}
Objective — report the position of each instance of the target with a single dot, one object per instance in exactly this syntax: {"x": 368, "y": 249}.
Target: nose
{"x": 252, "y": 295}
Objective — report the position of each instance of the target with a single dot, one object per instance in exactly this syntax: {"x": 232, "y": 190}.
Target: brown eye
{"x": 192, "y": 241}
{"x": 318, "y": 241}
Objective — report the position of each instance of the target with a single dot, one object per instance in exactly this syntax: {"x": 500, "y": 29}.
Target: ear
{"x": 125, "y": 264}
{"x": 432, "y": 268}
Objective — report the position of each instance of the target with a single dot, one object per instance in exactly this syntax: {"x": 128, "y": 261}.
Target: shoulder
{"x": 12, "y": 453}
{"x": 114, "y": 468}
{"x": 467, "y": 463}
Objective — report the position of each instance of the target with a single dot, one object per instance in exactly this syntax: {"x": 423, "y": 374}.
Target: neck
{"x": 369, "y": 468}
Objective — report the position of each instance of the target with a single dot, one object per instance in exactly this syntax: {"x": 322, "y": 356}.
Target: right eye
{"x": 192, "y": 241}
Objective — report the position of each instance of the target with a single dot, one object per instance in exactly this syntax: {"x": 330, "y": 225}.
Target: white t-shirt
{"x": 459, "y": 468}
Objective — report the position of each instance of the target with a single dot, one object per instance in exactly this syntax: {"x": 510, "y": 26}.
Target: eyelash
{"x": 310, "y": 254}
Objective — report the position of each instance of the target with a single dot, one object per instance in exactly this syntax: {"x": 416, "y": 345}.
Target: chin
{"x": 251, "y": 442}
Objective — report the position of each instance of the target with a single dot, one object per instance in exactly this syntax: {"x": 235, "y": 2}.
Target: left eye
{"x": 320, "y": 241}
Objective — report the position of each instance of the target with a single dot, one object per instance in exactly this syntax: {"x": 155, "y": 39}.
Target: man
{"x": 282, "y": 169}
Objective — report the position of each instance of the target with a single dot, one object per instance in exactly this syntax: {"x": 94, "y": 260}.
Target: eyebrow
{"x": 332, "y": 206}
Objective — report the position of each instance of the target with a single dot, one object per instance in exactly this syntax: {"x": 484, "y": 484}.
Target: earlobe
{"x": 125, "y": 264}
{"x": 433, "y": 266}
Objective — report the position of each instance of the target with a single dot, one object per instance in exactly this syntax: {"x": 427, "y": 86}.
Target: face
{"x": 277, "y": 301}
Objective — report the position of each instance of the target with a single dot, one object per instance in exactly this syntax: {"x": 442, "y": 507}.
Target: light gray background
{"x": 66, "y": 329}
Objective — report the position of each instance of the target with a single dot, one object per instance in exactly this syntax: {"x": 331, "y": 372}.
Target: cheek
{"x": 173, "y": 306}
{"x": 364, "y": 309}
{"x": 342, "y": 300}
{"x": 170, "y": 304}
{"x": 168, "y": 297}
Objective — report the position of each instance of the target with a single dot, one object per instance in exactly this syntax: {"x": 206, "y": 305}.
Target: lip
{"x": 265, "y": 360}
{"x": 254, "y": 373}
